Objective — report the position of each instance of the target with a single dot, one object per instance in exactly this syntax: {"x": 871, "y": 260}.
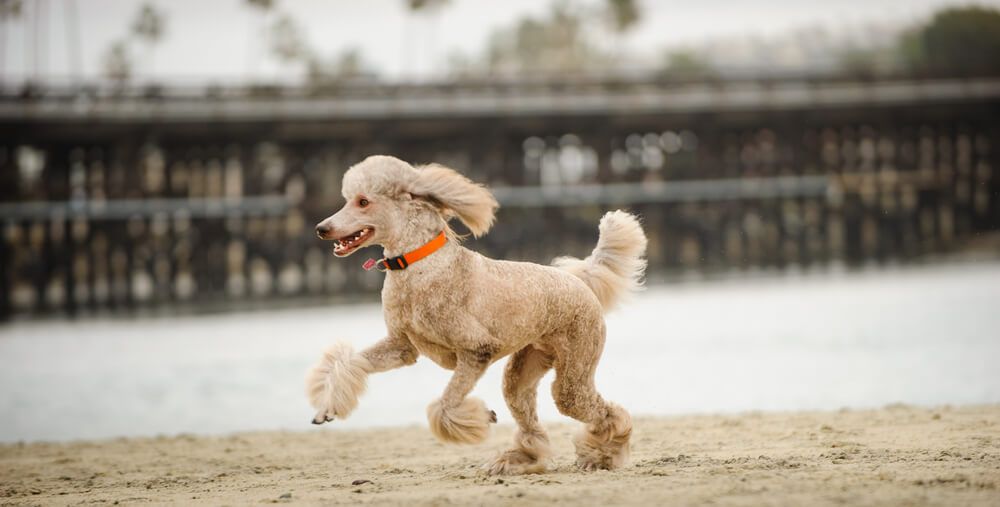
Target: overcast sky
{"x": 219, "y": 40}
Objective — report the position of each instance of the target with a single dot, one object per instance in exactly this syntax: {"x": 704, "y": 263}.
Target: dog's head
{"x": 388, "y": 199}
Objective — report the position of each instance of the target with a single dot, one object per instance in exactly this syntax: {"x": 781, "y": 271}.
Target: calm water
{"x": 925, "y": 335}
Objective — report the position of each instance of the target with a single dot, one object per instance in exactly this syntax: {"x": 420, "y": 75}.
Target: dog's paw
{"x": 593, "y": 465}
{"x": 606, "y": 448}
{"x": 514, "y": 462}
{"x": 529, "y": 455}
{"x": 468, "y": 423}
{"x": 592, "y": 456}
{"x": 321, "y": 417}
{"x": 336, "y": 382}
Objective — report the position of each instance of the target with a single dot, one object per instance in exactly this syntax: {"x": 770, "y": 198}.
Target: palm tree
{"x": 287, "y": 42}
{"x": 264, "y": 9}
{"x": 118, "y": 63}
{"x": 623, "y": 16}
{"x": 9, "y": 11}
{"x": 73, "y": 42}
{"x": 431, "y": 12}
{"x": 149, "y": 27}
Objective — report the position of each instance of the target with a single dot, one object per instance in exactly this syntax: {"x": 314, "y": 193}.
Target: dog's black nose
{"x": 322, "y": 230}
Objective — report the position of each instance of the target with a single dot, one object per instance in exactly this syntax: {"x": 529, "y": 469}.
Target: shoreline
{"x": 837, "y": 270}
{"x": 898, "y": 454}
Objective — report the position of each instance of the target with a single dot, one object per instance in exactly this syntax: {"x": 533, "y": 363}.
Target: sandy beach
{"x": 898, "y": 455}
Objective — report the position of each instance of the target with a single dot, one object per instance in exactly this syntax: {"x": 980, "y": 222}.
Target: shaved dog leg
{"x": 520, "y": 388}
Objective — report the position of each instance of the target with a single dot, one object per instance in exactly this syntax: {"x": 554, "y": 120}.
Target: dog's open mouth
{"x": 344, "y": 246}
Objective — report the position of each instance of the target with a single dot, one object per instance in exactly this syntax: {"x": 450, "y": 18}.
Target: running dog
{"x": 464, "y": 311}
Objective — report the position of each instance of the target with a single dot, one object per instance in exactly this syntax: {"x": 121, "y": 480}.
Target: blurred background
{"x": 819, "y": 185}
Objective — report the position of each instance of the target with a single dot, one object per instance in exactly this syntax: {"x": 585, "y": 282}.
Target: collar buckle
{"x": 400, "y": 262}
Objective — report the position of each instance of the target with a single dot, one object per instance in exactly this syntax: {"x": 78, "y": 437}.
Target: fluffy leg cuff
{"x": 605, "y": 446}
{"x": 528, "y": 456}
{"x": 335, "y": 383}
{"x": 468, "y": 423}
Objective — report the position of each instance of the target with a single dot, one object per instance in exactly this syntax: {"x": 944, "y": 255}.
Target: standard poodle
{"x": 464, "y": 311}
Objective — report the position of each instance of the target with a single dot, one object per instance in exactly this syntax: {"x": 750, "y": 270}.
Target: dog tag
{"x": 369, "y": 264}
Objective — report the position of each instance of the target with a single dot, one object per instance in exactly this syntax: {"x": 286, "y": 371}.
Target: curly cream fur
{"x": 466, "y": 423}
{"x": 465, "y": 311}
{"x": 336, "y": 382}
{"x": 605, "y": 446}
{"x": 473, "y": 204}
{"x": 528, "y": 456}
{"x": 616, "y": 265}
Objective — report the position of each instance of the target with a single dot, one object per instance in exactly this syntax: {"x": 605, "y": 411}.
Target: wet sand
{"x": 897, "y": 455}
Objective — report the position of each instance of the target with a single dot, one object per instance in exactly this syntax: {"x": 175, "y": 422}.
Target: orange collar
{"x": 403, "y": 261}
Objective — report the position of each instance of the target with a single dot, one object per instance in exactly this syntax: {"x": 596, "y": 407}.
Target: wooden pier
{"x": 130, "y": 199}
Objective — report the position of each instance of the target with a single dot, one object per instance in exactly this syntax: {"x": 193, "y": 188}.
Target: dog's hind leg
{"x": 604, "y": 443}
{"x": 520, "y": 385}
{"x": 457, "y": 417}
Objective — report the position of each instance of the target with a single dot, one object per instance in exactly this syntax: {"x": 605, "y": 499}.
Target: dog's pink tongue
{"x": 369, "y": 264}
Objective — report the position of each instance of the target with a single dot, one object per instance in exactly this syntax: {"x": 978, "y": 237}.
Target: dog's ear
{"x": 472, "y": 203}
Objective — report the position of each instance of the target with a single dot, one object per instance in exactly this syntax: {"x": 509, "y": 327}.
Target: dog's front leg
{"x": 456, "y": 417}
{"x": 390, "y": 353}
{"x": 335, "y": 384}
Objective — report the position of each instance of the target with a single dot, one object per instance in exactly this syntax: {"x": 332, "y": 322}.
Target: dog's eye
{"x": 363, "y": 202}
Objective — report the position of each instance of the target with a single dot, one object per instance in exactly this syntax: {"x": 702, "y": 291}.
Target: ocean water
{"x": 916, "y": 335}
